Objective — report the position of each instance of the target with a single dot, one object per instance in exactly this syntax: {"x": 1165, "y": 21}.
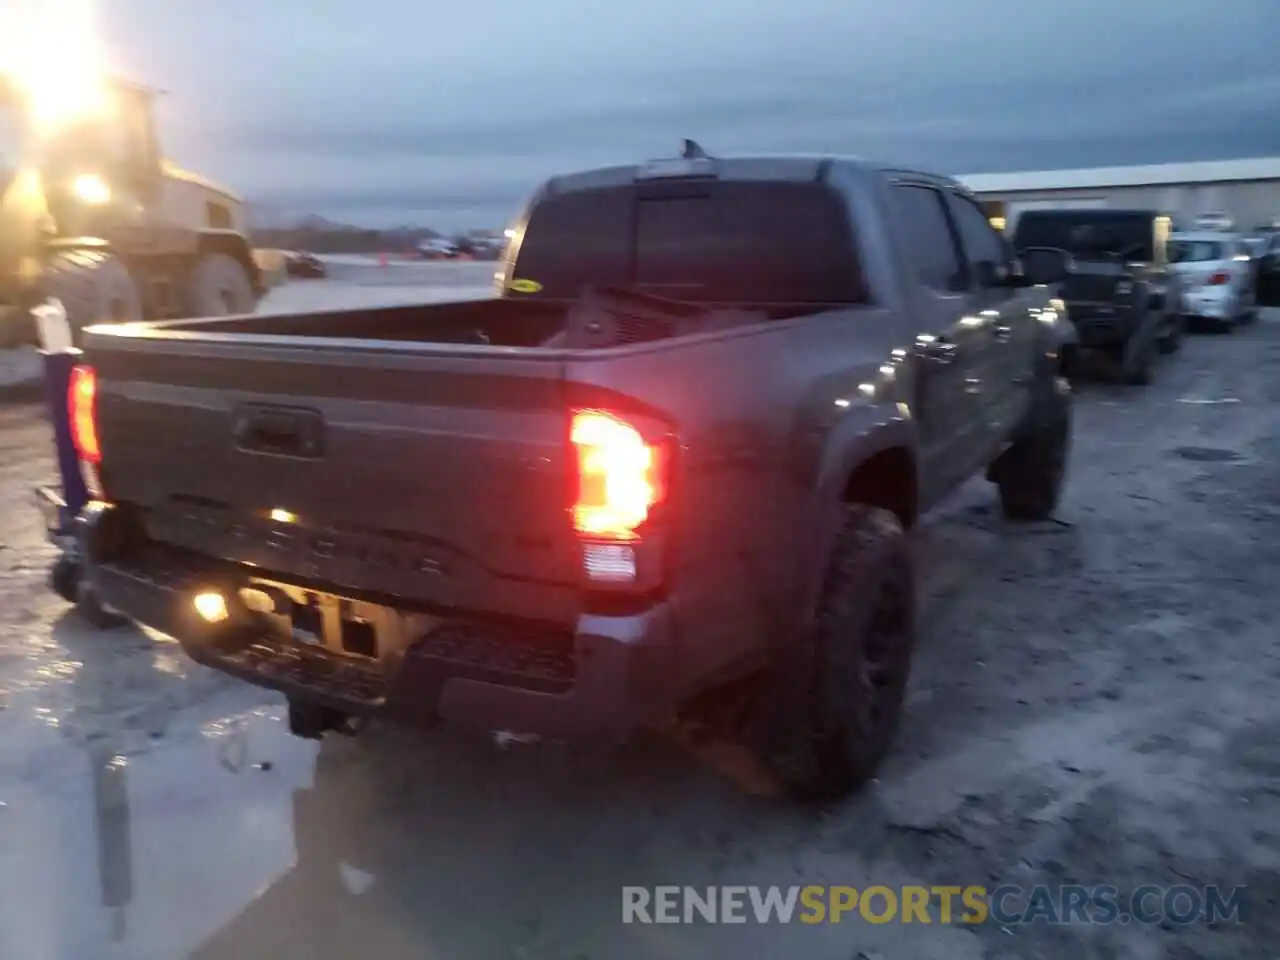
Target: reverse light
{"x": 82, "y": 412}
{"x": 620, "y": 476}
{"x": 211, "y": 607}
{"x": 609, "y": 562}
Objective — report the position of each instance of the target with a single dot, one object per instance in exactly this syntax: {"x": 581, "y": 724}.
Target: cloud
{"x": 369, "y": 110}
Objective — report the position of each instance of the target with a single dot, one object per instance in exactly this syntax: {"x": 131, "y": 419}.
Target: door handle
{"x": 936, "y": 350}
{"x": 279, "y": 431}
{"x": 1003, "y": 333}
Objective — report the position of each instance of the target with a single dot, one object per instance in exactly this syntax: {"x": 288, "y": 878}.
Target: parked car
{"x": 305, "y": 265}
{"x": 1266, "y": 269}
{"x": 438, "y": 248}
{"x": 1217, "y": 276}
{"x": 579, "y": 505}
{"x": 1121, "y": 294}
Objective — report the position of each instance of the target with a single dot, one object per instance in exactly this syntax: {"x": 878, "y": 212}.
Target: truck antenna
{"x": 692, "y": 150}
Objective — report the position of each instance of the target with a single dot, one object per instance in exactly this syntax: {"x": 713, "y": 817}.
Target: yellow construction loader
{"x": 91, "y": 213}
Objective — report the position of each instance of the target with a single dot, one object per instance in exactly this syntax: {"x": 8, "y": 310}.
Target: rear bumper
{"x": 1209, "y": 303}
{"x": 598, "y": 681}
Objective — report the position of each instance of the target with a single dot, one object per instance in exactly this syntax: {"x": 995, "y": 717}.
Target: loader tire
{"x": 94, "y": 287}
{"x": 219, "y": 286}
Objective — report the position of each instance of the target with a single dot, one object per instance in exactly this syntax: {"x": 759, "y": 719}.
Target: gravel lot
{"x": 1094, "y": 702}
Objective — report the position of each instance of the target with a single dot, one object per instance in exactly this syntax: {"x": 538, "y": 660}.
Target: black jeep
{"x": 1120, "y": 292}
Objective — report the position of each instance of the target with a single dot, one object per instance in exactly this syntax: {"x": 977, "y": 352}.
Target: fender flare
{"x": 850, "y": 445}
{"x": 236, "y": 246}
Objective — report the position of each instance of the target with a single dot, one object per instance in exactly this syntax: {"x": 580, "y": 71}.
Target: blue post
{"x": 57, "y": 378}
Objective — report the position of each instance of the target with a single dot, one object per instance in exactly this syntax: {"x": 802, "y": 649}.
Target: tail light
{"x": 1218, "y": 279}
{"x": 82, "y": 411}
{"x": 621, "y": 480}
{"x": 621, "y": 477}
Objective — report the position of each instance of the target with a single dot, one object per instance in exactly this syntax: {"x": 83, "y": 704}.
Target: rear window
{"x": 1195, "y": 251}
{"x": 1088, "y": 233}
{"x": 709, "y": 242}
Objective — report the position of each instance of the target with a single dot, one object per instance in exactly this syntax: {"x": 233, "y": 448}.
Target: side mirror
{"x": 992, "y": 275}
{"x": 1044, "y": 265}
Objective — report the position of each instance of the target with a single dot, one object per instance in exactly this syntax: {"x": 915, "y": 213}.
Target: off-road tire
{"x": 311, "y": 721}
{"x": 832, "y": 700}
{"x": 1171, "y": 341}
{"x": 218, "y": 286}
{"x": 1248, "y": 306}
{"x": 1030, "y": 473}
{"x": 94, "y": 287}
{"x": 90, "y": 608}
{"x": 1222, "y": 325}
{"x": 1139, "y": 369}
{"x": 64, "y": 578}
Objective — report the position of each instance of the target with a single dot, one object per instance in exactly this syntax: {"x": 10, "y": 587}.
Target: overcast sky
{"x": 448, "y": 112}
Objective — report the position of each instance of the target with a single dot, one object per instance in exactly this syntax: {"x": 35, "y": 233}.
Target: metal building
{"x": 1247, "y": 191}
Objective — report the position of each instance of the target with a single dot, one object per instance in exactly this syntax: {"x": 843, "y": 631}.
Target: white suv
{"x": 1216, "y": 273}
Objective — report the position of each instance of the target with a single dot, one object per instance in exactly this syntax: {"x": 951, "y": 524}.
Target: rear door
{"x": 950, "y": 349}
{"x": 1005, "y": 319}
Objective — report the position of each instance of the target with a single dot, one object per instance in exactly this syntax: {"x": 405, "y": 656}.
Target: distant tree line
{"x": 341, "y": 239}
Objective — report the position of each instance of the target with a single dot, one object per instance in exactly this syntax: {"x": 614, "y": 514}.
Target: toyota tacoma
{"x": 684, "y": 446}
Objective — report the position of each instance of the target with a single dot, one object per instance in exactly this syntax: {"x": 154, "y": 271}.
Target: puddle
{"x": 1207, "y": 454}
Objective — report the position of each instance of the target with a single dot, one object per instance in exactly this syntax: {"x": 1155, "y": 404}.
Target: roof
{"x": 1216, "y": 236}
{"x": 796, "y": 167}
{"x": 1209, "y": 171}
{"x": 1092, "y": 213}
{"x": 174, "y": 172}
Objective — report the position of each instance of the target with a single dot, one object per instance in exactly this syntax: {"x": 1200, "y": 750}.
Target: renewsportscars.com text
{"x": 1007, "y": 905}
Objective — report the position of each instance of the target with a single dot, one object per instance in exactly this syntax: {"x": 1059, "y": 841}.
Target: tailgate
{"x": 433, "y": 474}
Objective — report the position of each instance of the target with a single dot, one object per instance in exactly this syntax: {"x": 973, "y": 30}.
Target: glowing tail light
{"x": 1218, "y": 279}
{"x": 621, "y": 477}
{"x": 82, "y": 410}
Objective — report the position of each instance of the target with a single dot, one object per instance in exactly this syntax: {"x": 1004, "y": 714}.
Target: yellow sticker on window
{"x": 525, "y": 286}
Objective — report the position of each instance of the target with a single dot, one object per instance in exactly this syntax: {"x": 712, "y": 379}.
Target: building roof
{"x": 1210, "y": 171}
{"x": 1212, "y": 236}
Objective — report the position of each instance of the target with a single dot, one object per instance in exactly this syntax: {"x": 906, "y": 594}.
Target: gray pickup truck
{"x": 681, "y": 451}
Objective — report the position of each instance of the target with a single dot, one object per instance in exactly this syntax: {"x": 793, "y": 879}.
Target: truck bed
{"x": 497, "y": 322}
{"x": 392, "y": 451}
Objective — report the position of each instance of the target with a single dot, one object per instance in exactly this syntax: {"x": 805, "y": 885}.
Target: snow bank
{"x": 336, "y": 295}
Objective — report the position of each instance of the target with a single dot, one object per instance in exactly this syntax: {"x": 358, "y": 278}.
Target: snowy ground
{"x": 363, "y": 282}
{"x": 353, "y": 282}
{"x": 1094, "y": 702}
